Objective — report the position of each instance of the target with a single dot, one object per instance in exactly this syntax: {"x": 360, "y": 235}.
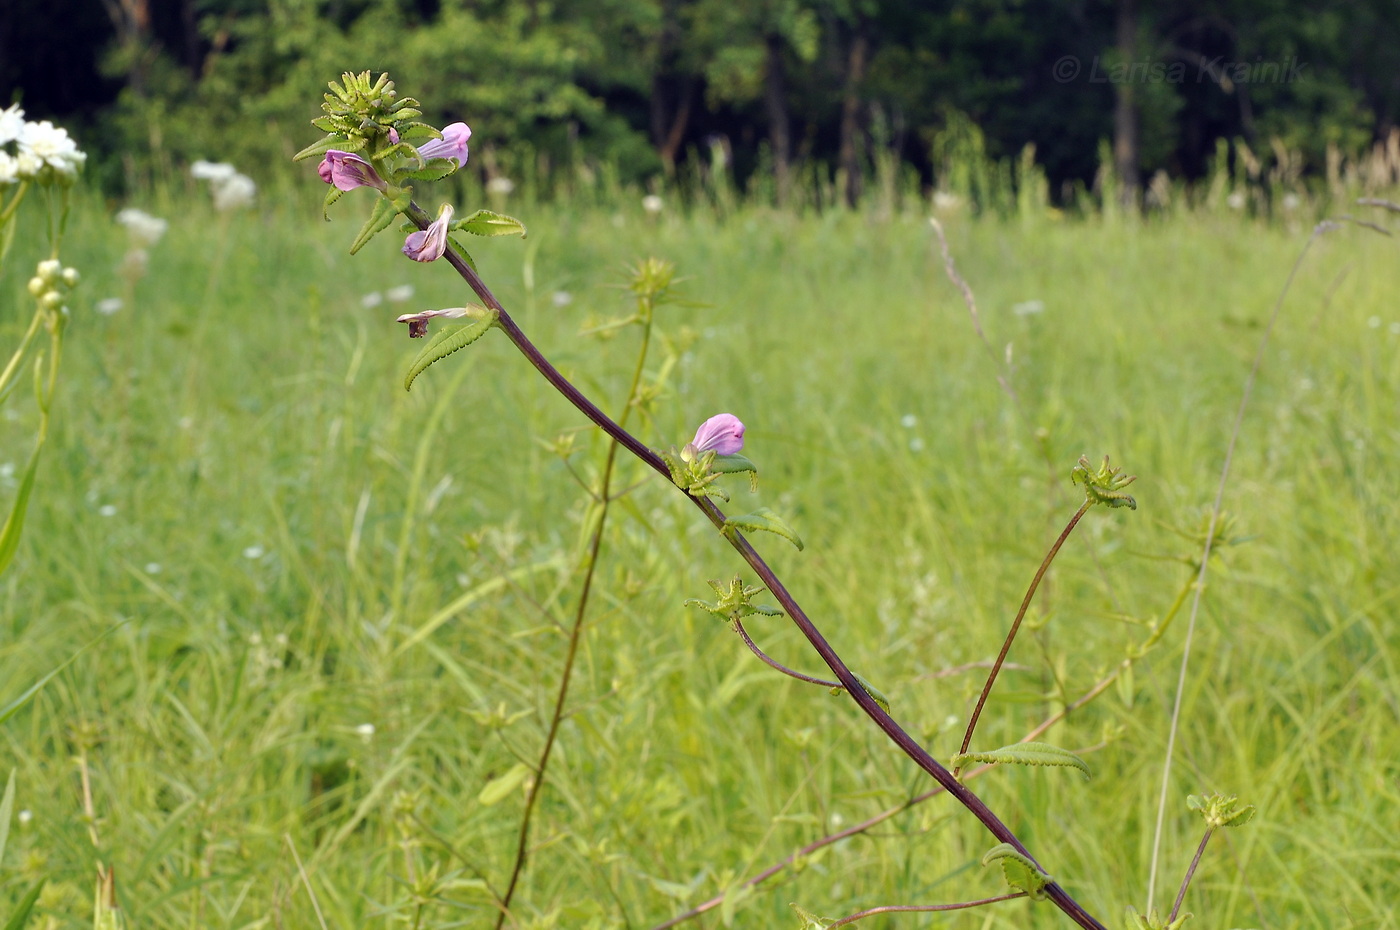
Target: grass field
{"x": 331, "y": 607}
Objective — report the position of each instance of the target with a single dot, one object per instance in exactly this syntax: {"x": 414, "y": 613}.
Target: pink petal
{"x": 723, "y": 433}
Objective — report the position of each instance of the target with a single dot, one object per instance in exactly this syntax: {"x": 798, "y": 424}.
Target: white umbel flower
{"x": 51, "y": 146}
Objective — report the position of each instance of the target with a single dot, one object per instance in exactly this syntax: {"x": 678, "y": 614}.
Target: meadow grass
{"x": 290, "y": 547}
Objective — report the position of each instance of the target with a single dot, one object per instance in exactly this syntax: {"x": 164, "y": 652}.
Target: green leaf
{"x": 488, "y": 223}
{"x": 379, "y": 220}
{"x": 1020, "y": 872}
{"x": 875, "y": 693}
{"x": 498, "y": 788}
{"x": 734, "y": 899}
{"x": 332, "y": 141}
{"x": 811, "y": 921}
{"x": 435, "y": 169}
{"x": 1025, "y": 754}
{"x": 26, "y": 904}
{"x": 445, "y": 343}
{"x": 1221, "y": 810}
{"x": 679, "y": 891}
{"x": 14, "y": 523}
{"x": 765, "y": 520}
{"x": 7, "y": 808}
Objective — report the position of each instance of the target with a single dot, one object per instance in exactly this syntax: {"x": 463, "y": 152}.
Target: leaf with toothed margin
{"x": 811, "y": 921}
{"x": 381, "y": 219}
{"x": 767, "y": 521}
{"x": 1019, "y": 871}
{"x": 1025, "y": 754}
{"x": 445, "y": 343}
{"x": 489, "y": 223}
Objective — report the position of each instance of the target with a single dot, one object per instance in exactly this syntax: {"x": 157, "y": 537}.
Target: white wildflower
{"x": 11, "y": 123}
{"x": 108, "y": 305}
{"x": 652, "y": 204}
{"x": 1029, "y": 308}
{"x": 500, "y": 185}
{"x": 52, "y": 147}
{"x": 400, "y": 294}
{"x": 145, "y": 230}
{"x": 1235, "y": 201}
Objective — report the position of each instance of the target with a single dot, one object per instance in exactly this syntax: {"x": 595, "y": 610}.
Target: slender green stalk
{"x": 603, "y": 499}
{"x": 1016, "y": 624}
{"x": 1190, "y": 872}
{"x": 1200, "y": 585}
{"x": 897, "y": 734}
{"x": 907, "y": 908}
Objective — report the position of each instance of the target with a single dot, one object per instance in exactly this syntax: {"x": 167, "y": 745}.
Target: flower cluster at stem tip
{"x": 36, "y": 151}
{"x": 713, "y": 452}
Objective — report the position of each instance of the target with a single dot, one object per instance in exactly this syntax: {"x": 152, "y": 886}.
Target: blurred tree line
{"x": 764, "y": 88}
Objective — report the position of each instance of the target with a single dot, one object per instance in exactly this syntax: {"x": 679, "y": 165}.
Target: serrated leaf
{"x": 1020, "y": 872}
{"x": 26, "y": 904}
{"x": 332, "y": 141}
{"x": 767, "y": 521}
{"x": 381, "y": 219}
{"x": 445, "y": 343}
{"x": 490, "y": 223}
{"x": 500, "y": 787}
{"x": 14, "y": 523}
{"x": 434, "y": 170}
{"x": 731, "y": 464}
{"x": 877, "y": 695}
{"x": 811, "y": 921}
{"x": 1025, "y": 754}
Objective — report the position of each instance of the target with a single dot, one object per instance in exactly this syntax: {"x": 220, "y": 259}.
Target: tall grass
{"x": 236, "y": 478}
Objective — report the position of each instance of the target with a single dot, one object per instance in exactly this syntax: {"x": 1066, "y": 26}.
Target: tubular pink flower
{"x": 722, "y": 433}
{"x": 418, "y": 322}
{"x": 427, "y": 245}
{"x": 348, "y": 171}
{"x": 453, "y": 144}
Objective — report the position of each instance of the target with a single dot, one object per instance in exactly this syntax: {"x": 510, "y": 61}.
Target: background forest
{"x": 788, "y": 92}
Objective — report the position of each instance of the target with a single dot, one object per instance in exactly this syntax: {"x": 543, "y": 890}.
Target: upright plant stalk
{"x": 1318, "y": 231}
{"x": 1016, "y": 624}
{"x": 603, "y": 500}
{"x": 866, "y": 702}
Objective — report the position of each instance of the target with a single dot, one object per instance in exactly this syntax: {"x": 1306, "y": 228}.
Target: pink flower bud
{"x": 722, "y": 433}
{"x": 453, "y": 144}
{"x": 427, "y": 245}
{"x": 348, "y": 171}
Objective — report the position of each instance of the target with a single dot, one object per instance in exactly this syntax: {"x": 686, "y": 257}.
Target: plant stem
{"x": 1190, "y": 871}
{"x": 904, "y": 908}
{"x": 775, "y": 664}
{"x": 1016, "y": 624}
{"x": 603, "y": 499}
{"x": 901, "y": 738}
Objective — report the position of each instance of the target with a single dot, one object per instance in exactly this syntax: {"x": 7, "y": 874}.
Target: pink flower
{"x": 722, "y": 432}
{"x": 418, "y": 322}
{"x": 453, "y": 144}
{"x": 347, "y": 171}
{"x": 427, "y": 245}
